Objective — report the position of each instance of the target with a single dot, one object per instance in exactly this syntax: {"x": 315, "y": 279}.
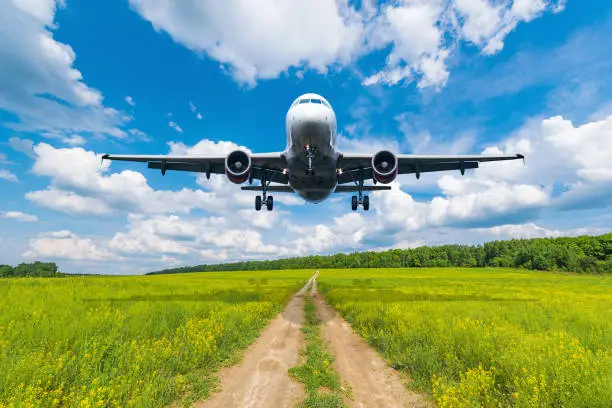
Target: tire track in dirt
{"x": 373, "y": 383}
{"x": 261, "y": 379}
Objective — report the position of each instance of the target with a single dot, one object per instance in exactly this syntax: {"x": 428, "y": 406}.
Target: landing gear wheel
{"x": 257, "y": 203}
{"x": 270, "y": 203}
{"x": 354, "y": 203}
{"x": 366, "y": 203}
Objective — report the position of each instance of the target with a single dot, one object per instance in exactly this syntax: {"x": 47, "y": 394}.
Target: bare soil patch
{"x": 261, "y": 379}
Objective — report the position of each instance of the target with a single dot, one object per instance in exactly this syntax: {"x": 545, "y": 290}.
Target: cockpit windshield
{"x": 311, "y": 100}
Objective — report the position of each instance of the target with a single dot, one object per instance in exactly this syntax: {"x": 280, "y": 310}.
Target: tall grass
{"x": 486, "y": 337}
{"x": 129, "y": 341}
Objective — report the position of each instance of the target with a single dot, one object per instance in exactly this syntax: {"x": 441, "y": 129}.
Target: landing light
{"x": 284, "y": 171}
{"x": 339, "y": 171}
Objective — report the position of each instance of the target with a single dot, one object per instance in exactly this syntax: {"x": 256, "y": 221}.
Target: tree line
{"x": 584, "y": 254}
{"x": 35, "y": 269}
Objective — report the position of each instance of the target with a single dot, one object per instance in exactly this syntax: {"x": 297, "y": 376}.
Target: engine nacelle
{"x": 238, "y": 166}
{"x": 384, "y": 166}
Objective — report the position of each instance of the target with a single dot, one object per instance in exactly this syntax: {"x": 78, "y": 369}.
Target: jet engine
{"x": 384, "y": 166}
{"x": 238, "y": 166}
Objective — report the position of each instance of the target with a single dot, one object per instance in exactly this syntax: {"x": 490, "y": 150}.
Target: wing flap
{"x": 269, "y": 189}
{"x": 428, "y": 167}
{"x": 353, "y": 189}
{"x": 193, "y": 167}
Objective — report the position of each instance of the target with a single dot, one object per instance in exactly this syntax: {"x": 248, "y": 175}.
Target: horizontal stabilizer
{"x": 353, "y": 189}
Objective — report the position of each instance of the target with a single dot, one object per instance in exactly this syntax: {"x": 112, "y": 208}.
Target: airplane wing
{"x": 354, "y": 164}
{"x": 272, "y": 163}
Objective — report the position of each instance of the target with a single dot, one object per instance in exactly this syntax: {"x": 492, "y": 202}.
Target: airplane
{"x": 311, "y": 165}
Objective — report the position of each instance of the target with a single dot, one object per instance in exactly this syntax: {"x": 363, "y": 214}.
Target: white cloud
{"x": 22, "y": 145}
{"x": 531, "y": 230}
{"x": 19, "y": 216}
{"x": 68, "y": 202}
{"x": 66, "y": 245}
{"x": 130, "y": 101}
{"x": 424, "y": 33}
{"x": 175, "y": 127}
{"x": 264, "y": 39}
{"x": 88, "y": 187}
{"x": 194, "y": 109}
{"x": 38, "y": 81}
{"x": 214, "y": 238}
{"x": 7, "y": 175}
{"x": 139, "y": 134}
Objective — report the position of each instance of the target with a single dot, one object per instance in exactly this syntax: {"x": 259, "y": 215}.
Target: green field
{"x": 469, "y": 337}
{"x": 486, "y": 337}
{"x": 129, "y": 341}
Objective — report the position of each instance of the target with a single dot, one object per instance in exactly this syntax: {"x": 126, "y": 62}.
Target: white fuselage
{"x": 311, "y": 126}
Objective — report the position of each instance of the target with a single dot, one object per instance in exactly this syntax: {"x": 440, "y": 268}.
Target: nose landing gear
{"x": 310, "y": 154}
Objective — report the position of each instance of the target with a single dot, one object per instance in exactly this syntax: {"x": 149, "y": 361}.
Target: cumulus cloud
{"x": 531, "y": 230}
{"x": 66, "y": 245}
{"x": 130, "y": 101}
{"x": 264, "y": 39}
{"x": 38, "y": 80}
{"x": 19, "y": 216}
{"x": 577, "y": 158}
{"x": 255, "y": 43}
{"x": 88, "y": 187}
{"x": 68, "y": 202}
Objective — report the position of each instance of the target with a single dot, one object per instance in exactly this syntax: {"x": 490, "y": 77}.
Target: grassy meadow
{"x": 141, "y": 341}
{"x": 485, "y": 337}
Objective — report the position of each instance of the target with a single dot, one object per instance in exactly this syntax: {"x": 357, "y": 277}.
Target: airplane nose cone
{"x": 310, "y": 113}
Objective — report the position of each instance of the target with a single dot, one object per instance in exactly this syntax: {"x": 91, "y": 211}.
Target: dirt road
{"x": 261, "y": 379}
{"x": 372, "y": 381}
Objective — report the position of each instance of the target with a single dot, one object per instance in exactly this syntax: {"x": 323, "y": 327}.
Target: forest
{"x": 35, "y": 269}
{"x": 584, "y": 254}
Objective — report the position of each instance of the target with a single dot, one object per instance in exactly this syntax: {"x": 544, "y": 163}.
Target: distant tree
{"x": 588, "y": 254}
{"x": 6, "y": 270}
{"x": 36, "y": 269}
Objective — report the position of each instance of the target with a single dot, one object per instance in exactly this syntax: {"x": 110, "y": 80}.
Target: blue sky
{"x": 79, "y": 79}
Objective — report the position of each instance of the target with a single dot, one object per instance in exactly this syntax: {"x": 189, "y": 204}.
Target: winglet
{"x": 520, "y": 156}
{"x": 104, "y": 156}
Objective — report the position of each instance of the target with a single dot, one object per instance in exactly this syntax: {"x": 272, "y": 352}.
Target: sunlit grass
{"x": 486, "y": 337}
{"x": 130, "y": 341}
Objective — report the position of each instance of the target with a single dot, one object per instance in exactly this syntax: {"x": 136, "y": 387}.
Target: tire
{"x": 270, "y": 203}
{"x": 366, "y": 203}
{"x": 354, "y": 203}
{"x": 257, "y": 203}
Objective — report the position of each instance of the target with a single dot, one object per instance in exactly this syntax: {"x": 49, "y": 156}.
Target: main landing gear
{"x": 310, "y": 154}
{"x": 363, "y": 200}
{"x": 267, "y": 200}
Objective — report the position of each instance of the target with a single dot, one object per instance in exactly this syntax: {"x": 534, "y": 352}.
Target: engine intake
{"x": 384, "y": 166}
{"x": 238, "y": 166}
